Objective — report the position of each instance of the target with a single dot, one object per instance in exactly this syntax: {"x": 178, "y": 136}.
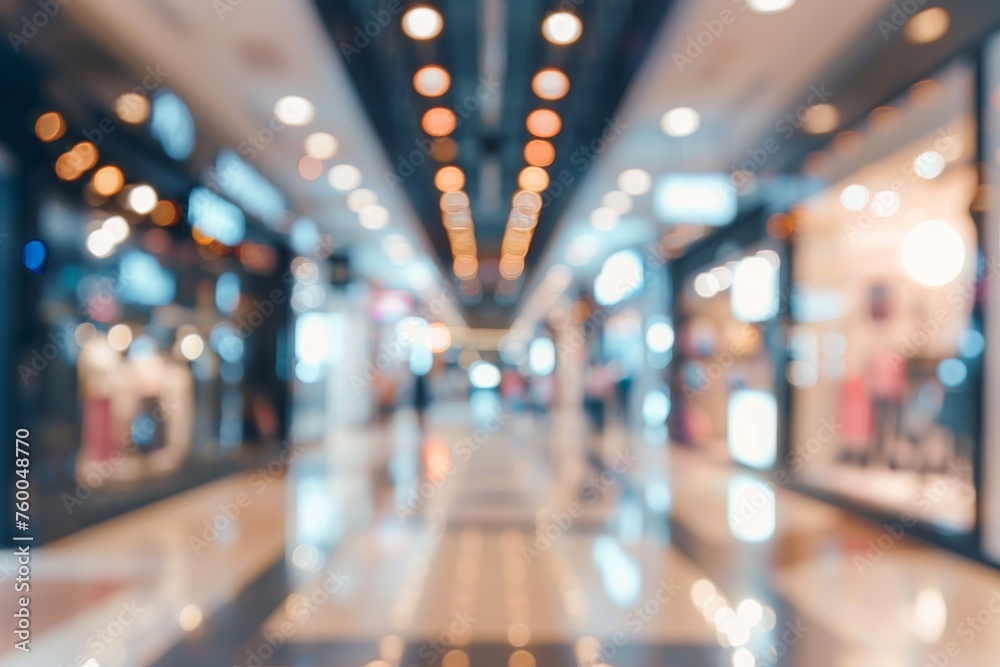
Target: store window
{"x": 725, "y": 370}
{"x": 885, "y": 346}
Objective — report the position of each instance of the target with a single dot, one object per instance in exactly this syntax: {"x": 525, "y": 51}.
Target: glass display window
{"x": 885, "y": 346}
{"x": 724, "y": 370}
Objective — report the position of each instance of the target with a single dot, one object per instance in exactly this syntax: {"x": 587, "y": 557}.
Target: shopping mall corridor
{"x": 502, "y": 538}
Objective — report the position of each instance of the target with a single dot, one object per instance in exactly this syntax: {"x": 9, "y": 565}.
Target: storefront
{"x": 886, "y": 341}
{"x": 727, "y": 395}
{"x": 152, "y": 317}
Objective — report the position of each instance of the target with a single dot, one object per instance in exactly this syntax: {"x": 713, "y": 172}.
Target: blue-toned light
{"x": 227, "y": 292}
{"x": 952, "y": 373}
{"x": 971, "y": 343}
{"x": 143, "y": 281}
{"x": 35, "y": 256}
{"x": 484, "y": 375}
{"x": 215, "y": 217}
{"x": 542, "y": 357}
{"x": 172, "y": 125}
{"x": 239, "y": 181}
{"x": 704, "y": 199}
{"x": 621, "y": 277}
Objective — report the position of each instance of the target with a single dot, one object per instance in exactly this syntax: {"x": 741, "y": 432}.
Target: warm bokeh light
{"x": 142, "y": 199}
{"x": 374, "y": 217}
{"x": 533, "y": 178}
{"x": 360, "y": 199}
{"x": 440, "y": 337}
{"x": 294, "y": 110}
{"x": 449, "y": 179}
{"x": 465, "y": 267}
{"x": 321, "y": 145}
{"x": 562, "y": 28}
{"x": 50, "y": 126}
{"x": 544, "y": 123}
{"x": 635, "y": 182}
{"x": 680, "y": 122}
{"x": 821, "y": 118}
{"x": 132, "y": 108}
{"x": 550, "y": 84}
{"x": 526, "y": 199}
{"x": 438, "y": 122}
{"x": 444, "y": 149}
{"x": 192, "y": 346}
{"x": 431, "y": 81}
{"x": 539, "y": 153}
{"x": 928, "y": 26}
{"x": 422, "y": 23}
{"x": 120, "y": 337}
{"x": 108, "y": 180}
{"x": 511, "y": 266}
{"x": 310, "y": 168}
{"x": 116, "y": 228}
{"x": 165, "y": 214}
{"x": 344, "y": 177}
{"x": 73, "y": 163}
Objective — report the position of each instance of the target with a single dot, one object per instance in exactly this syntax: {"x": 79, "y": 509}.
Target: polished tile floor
{"x": 499, "y": 539}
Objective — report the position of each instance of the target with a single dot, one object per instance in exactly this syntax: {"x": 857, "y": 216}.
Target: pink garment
{"x": 855, "y": 413}
{"x": 888, "y": 375}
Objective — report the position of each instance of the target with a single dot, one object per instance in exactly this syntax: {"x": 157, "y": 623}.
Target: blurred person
{"x": 596, "y": 392}
{"x": 542, "y": 390}
{"x": 421, "y": 398}
{"x": 384, "y": 388}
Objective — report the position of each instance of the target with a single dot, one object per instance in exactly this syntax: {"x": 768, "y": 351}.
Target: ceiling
{"x": 492, "y": 50}
{"x": 231, "y": 66}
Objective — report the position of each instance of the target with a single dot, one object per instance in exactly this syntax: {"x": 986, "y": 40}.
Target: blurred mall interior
{"x": 515, "y": 333}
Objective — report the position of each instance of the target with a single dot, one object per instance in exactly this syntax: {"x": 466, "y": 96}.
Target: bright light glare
{"x": 751, "y": 509}
{"x": 755, "y": 291}
{"x": 770, "y": 6}
{"x": 706, "y": 199}
{"x": 680, "y": 122}
{"x": 542, "y": 356}
{"x": 117, "y": 228}
{"x": 294, "y": 110}
{"x": 422, "y": 23}
{"x": 192, "y": 346}
{"x": 142, "y": 199}
{"x": 706, "y": 285}
{"x": 660, "y": 337}
{"x": 484, "y": 375}
{"x": 752, "y": 431}
{"x": 100, "y": 243}
{"x": 655, "y": 408}
{"x": 929, "y": 165}
{"x": 854, "y": 197}
{"x": 933, "y": 253}
{"x": 621, "y": 276}
{"x": 562, "y": 28}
